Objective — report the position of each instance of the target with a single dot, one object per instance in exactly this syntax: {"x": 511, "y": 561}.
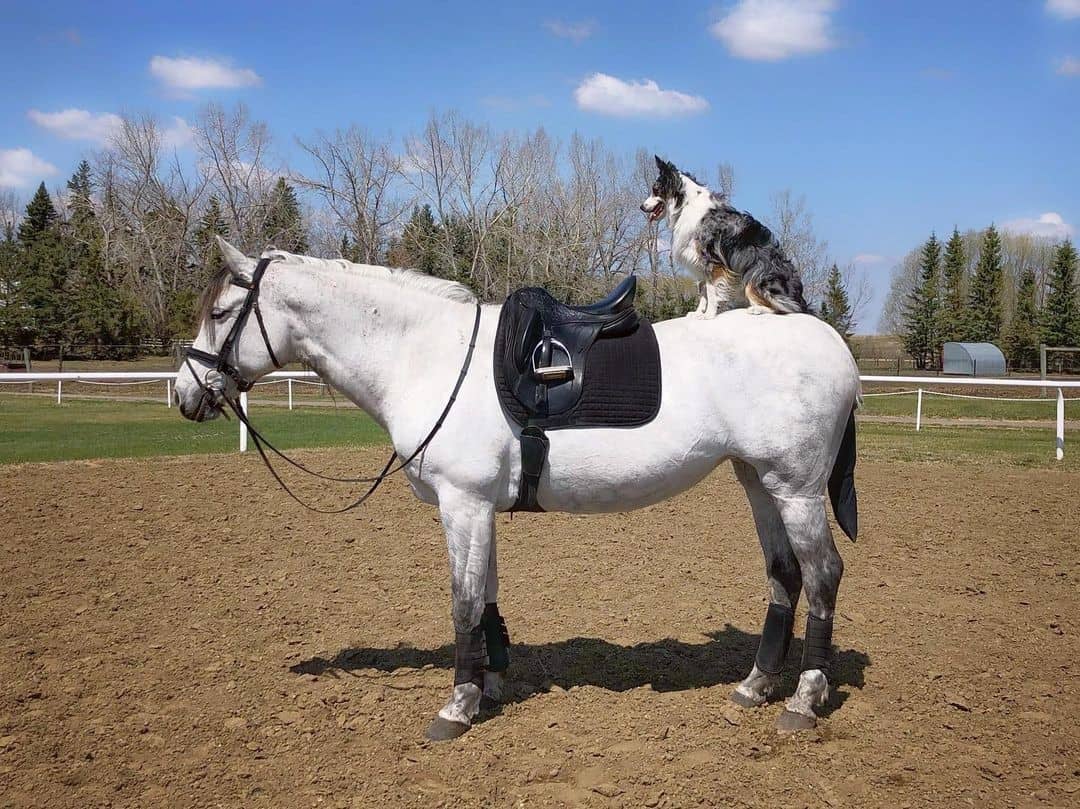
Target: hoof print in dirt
{"x": 443, "y": 730}
{"x": 791, "y": 722}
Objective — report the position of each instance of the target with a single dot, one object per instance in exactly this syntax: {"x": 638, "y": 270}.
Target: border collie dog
{"x": 736, "y": 258}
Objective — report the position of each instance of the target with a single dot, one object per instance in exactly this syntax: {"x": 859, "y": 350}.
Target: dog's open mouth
{"x": 656, "y": 212}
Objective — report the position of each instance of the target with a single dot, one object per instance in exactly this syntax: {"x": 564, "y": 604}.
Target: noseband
{"x": 220, "y": 361}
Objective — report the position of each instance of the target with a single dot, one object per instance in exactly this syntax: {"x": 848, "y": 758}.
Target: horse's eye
{"x": 218, "y": 314}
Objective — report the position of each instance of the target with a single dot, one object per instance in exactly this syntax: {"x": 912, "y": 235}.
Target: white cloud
{"x": 611, "y": 96}
{"x": 76, "y": 124}
{"x": 186, "y": 73}
{"x": 771, "y": 30}
{"x": 1069, "y": 66}
{"x": 1048, "y": 225}
{"x": 1066, "y": 9}
{"x": 21, "y": 167}
{"x": 576, "y": 31}
{"x": 177, "y": 134}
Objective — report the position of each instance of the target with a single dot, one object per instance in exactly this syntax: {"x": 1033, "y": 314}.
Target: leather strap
{"x": 534, "y": 450}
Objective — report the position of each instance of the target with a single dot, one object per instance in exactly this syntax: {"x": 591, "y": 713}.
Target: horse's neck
{"x": 378, "y": 342}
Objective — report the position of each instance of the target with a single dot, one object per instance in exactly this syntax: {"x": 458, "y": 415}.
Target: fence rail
{"x": 922, "y": 382}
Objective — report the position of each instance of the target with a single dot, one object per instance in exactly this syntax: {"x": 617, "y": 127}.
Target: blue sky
{"x": 892, "y": 118}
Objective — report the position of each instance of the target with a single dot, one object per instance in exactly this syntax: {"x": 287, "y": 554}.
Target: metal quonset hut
{"x": 972, "y": 359}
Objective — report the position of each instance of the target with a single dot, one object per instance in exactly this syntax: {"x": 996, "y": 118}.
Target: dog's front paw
{"x": 755, "y": 309}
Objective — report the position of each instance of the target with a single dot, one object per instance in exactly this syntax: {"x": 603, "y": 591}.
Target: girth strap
{"x": 534, "y": 452}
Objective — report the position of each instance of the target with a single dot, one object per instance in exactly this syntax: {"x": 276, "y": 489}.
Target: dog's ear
{"x": 664, "y": 166}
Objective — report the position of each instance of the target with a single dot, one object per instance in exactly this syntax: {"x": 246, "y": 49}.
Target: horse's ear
{"x": 239, "y": 265}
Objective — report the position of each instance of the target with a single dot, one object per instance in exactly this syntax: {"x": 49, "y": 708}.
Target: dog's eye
{"x": 656, "y": 190}
{"x": 218, "y": 314}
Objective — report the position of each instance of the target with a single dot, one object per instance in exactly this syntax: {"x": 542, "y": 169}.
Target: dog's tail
{"x": 842, "y": 483}
{"x": 784, "y": 296}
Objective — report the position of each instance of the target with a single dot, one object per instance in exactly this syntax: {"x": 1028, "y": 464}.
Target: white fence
{"x": 306, "y": 377}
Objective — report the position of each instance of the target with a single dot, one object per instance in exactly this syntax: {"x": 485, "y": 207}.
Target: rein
{"x": 222, "y": 366}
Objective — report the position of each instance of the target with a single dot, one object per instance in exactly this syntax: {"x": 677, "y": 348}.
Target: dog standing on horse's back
{"x": 736, "y": 258}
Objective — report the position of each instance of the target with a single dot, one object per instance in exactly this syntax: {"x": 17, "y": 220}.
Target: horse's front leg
{"x": 469, "y": 523}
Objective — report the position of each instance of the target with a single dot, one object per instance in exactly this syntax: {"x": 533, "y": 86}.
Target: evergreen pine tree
{"x": 952, "y": 314}
{"x": 40, "y": 217}
{"x": 80, "y": 187}
{"x": 984, "y": 298}
{"x": 211, "y": 223}
{"x": 285, "y": 224}
{"x": 1061, "y": 314}
{"x": 836, "y": 308}
{"x": 418, "y": 246}
{"x": 921, "y": 339}
{"x": 1021, "y": 340}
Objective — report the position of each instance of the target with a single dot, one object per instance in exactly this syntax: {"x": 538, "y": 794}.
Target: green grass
{"x": 1020, "y": 446}
{"x": 945, "y": 407}
{"x": 37, "y": 429}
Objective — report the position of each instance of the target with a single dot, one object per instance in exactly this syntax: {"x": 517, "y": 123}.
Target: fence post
{"x": 1042, "y": 366}
{"x": 243, "y": 426}
{"x": 918, "y": 412}
{"x": 59, "y": 389}
{"x": 290, "y": 392}
{"x": 168, "y": 393}
{"x": 1060, "y": 425}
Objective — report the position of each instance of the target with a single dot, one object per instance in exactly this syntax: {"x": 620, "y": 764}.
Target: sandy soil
{"x": 176, "y": 633}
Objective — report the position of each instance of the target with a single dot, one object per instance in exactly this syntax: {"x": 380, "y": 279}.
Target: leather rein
{"x": 214, "y": 393}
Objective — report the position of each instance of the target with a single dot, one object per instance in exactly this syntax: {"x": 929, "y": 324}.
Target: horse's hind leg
{"x": 785, "y": 581}
{"x": 821, "y": 566}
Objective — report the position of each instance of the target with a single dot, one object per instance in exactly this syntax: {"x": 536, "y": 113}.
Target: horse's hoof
{"x": 791, "y": 722}
{"x": 743, "y": 701}
{"x": 443, "y": 730}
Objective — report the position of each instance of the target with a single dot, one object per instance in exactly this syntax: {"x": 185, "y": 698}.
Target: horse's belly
{"x": 619, "y": 470}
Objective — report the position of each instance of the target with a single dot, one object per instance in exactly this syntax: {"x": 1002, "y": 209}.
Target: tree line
{"x": 1014, "y": 292}
{"x": 119, "y": 255}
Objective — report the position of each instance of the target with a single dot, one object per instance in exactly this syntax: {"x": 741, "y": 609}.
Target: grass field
{"x": 36, "y": 429}
{"x": 935, "y": 406}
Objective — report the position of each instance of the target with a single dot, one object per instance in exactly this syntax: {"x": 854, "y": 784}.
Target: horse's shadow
{"x": 666, "y": 665}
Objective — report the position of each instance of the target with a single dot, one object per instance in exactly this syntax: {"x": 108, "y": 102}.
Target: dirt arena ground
{"x": 176, "y": 633}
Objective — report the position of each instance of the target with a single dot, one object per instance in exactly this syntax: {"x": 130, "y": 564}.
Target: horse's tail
{"x": 842, "y": 483}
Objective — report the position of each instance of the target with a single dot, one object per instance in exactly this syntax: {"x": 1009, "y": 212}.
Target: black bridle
{"x": 216, "y": 395}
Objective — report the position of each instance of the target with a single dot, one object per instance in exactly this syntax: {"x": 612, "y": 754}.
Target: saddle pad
{"x": 621, "y": 386}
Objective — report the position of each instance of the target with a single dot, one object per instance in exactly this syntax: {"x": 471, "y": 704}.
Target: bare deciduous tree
{"x": 236, "y": 164}
{"x": 357, "y": 178}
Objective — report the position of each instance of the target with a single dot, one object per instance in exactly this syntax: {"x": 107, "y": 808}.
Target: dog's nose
{"x": 644, "y": 208}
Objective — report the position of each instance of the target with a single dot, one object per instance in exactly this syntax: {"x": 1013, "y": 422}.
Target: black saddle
{"x": 559, "y": 366}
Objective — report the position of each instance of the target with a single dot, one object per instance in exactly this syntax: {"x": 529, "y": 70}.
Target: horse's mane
{"x": 411, "y": 279}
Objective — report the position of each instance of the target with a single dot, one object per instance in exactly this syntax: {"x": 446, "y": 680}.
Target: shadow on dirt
{"x": 666, "y": 665}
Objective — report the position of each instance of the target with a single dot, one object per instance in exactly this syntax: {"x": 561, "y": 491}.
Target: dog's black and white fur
{"x": 736, "y": 258}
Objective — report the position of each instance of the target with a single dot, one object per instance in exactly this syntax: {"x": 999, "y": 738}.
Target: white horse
{"x": 773, "y": 393}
